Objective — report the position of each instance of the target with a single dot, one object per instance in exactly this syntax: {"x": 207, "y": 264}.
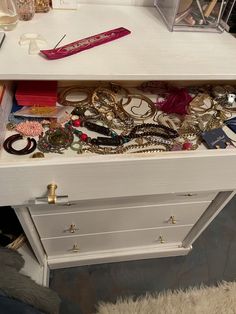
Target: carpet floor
{"x": 220, "y": 299}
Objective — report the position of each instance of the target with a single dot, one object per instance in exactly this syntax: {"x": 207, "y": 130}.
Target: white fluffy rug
{"x": 204, "y": 300}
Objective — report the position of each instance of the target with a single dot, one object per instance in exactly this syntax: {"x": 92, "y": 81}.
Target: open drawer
{"x": 24, "y": 180}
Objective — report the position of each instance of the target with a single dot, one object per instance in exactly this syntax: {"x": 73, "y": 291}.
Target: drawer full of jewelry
{"x": 49, "y": 118}
{"x": 118, "y": 219}
{"x": 112, "y": 241}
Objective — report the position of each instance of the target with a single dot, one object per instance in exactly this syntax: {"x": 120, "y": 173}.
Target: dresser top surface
{"x": 150, "y": 52}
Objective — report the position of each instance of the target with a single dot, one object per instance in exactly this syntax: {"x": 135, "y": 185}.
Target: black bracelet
{"x": 107, "y": 141}
{"x": 161, "y": 130}
{"x": 29, "y": 148}
{"x": 97, "y": 128}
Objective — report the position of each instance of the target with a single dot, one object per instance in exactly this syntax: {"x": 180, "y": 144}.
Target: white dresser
{"x": 116, "y": 207}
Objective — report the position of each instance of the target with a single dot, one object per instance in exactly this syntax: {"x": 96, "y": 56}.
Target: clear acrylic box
{"x": 195, "y": 15}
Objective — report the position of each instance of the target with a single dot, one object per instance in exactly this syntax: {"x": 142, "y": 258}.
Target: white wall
{"x": 119, "y": 2}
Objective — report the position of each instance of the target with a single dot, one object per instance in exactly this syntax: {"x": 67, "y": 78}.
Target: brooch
{"x": 55, "y": 140}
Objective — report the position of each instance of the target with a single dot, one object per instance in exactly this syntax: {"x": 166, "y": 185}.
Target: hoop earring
{"x": 29, "y": 148}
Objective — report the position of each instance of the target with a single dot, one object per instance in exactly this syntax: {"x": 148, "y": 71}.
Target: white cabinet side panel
{"x": 213, "y": 210}
{"x": 31, "y": 233}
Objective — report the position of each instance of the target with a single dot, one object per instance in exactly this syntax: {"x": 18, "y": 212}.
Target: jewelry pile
{"x": 111, "y": 119}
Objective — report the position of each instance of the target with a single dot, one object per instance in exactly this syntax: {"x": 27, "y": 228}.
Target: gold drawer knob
{"x": 161, "y": 239}
{"x": 75, "y": 248}
{"x": 52, "y": 198}
{"x": 172, "y": 220}
{"x": 72, "y": 228}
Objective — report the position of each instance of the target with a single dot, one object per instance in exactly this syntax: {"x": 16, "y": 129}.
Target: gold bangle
{"x": 229, "y": 109}
{"x": 150, "y": 113}
{"x": 103, "y": 99}
{"x": 197, "y": 104}
{"x": 75, "y": 103}
{"x": 120, "y": 91}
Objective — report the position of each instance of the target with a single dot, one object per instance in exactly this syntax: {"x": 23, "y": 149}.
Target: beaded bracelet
{"x": 152, "y": 130}
{"x": 114, "y": 140}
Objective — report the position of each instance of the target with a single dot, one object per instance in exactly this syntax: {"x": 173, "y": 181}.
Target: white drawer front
{"x": 114, "y": 203}
{"x": 112, "y": 241}
{"x": 100, "y": 177}
{"x": 99, "y": 221}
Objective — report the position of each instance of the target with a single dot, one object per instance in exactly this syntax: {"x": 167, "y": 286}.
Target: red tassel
{"x": 177, "y": 102}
